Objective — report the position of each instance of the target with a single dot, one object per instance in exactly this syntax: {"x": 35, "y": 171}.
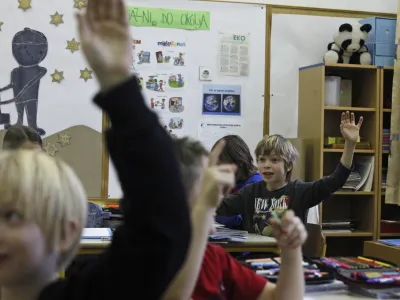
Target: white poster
{"x": 210, "y": 132}
{"x": 234, "y": 52}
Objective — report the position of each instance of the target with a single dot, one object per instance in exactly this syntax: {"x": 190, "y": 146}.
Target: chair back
{"x": 315, "y": 246}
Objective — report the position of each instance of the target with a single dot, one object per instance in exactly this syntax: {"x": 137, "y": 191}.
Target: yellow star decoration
{"x": 80, "y": 4}
{"x": 1, "y": 24}
{"x": 86, "y": 74}
{"x": 64, "y": 139}
{"x": 56, "y": 19}
{"x": 57, "y": 76}
{"x": 51, "y": 149}
{"x": 73, "y": 45}
{"x": 24, "y": 4}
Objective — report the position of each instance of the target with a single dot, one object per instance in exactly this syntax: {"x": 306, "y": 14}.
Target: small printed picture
{"x": 212, "y": 104}
{"x": 160, "y": 57}
{"x": 176, "y": 105}
{"x": 175, "y": 123}
{"x": 158, "y": 103}
{"x": 140, "y": 81}
{"x": 231, "y": 104}
{"x": 156, "y": 83}
{"x": 143, "y": 57}
{"x": 176, "y": 81}
{"x": 179, "y": 59}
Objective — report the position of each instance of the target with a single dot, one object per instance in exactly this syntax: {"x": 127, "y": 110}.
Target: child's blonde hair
{"x": 46, "y": 191}
{"x": 278, "y": 145}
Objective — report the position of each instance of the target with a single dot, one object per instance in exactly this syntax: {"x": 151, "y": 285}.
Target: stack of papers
{"x": 226, "y": 233}
{"x": 96, "y": 233}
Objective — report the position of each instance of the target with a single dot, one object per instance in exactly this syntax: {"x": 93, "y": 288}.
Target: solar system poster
{"x": 223, "y": 100}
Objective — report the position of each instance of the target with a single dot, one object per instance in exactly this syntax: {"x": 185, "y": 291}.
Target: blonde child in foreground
{"x": 43, "y": 205}
{"x": 209, "y": 271}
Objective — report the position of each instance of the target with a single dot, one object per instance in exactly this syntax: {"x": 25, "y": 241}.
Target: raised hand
{"x": 291, "y": 234}
{"x": 106, "y": 41}
{"x": 349, "y": 129}
{"x": 218, "y": 179}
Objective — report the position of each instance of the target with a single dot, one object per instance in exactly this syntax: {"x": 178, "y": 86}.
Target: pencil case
{"x": 367, "y": 272}
{"x": 270, "y": 269}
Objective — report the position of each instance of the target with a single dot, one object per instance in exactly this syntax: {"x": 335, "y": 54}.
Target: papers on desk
{"x": 390, "y": 242}
{"x": 226, "y": 234}
{"x": 97, "y": 233}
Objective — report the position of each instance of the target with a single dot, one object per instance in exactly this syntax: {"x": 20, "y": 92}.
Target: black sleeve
{"x": 313, "y": 193}
{"x": 232, "y": 205}
{"x": 151, "y": 245}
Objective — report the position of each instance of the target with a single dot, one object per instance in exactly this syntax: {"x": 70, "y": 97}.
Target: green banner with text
{"x": 169, "y": 18}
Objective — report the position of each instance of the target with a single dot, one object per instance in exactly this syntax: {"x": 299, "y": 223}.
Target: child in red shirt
{"x": 211, "y": 273}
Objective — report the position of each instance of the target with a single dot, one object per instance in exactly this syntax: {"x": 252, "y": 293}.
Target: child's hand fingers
{"x": 299, "y": 236}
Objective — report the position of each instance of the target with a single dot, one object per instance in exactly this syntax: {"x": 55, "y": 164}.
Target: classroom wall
{"x": 383, "y": 6}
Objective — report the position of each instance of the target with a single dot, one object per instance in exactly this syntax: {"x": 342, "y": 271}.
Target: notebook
{"x": 96, "y": 233}
{"x": 390, "y": 242}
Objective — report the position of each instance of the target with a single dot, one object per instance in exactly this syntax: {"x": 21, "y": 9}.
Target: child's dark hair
{"x": 17, "y": 135}
{"x": 237, "y": 152}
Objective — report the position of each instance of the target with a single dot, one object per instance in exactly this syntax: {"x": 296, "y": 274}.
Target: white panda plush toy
{"x": 348, "y": 45}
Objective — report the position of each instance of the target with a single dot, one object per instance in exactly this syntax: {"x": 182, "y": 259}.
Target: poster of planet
{"x": 224, "y": 100}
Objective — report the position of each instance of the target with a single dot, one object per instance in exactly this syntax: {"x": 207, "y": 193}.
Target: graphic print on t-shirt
{"x": 262, "y": 212}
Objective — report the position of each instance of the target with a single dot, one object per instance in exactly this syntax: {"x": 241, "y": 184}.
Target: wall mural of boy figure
{"x": 29, "y": 48}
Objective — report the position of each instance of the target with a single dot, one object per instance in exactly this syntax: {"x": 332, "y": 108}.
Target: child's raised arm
{"x": 151, "y": 245}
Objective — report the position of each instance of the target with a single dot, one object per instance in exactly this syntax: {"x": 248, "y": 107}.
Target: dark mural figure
{"x": 29, "y": 48}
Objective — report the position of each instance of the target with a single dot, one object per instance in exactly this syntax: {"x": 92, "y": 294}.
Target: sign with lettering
{"x": 169, "y": 18}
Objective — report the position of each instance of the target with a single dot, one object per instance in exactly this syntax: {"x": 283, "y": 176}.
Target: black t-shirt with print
{"x": 263, "y": 206}
{"x": 255, "y": 203}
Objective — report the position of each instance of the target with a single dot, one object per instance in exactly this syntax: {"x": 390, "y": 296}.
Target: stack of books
{"x": 361, "y": 178}
{"x": 386, "y": 139}
{"x": 224, "y": 234}
{"x": 384, "y": 177}
{"x": 338, "y": 143}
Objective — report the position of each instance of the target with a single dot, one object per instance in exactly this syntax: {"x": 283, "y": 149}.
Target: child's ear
{"x": 68, "y": 235}
{"x": 290, "y": 167}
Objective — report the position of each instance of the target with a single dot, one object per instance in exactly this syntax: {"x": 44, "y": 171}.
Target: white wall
{"x": 383, "y": 6}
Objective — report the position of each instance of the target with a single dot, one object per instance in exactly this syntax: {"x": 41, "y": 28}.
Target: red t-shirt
{"x": 223, "y": 278}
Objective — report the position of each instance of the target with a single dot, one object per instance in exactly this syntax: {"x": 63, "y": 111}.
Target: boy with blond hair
{"x": 209, "y": 272}
{"x": 43, "y": 204}
{"x": 276, "y": 157}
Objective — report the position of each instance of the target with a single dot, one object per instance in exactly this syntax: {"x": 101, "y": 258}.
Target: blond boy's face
{"x": 272, "y": 170}
{"x": 23, "y": 253}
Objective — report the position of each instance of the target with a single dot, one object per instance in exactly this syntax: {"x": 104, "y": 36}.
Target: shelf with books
{"x": 353, "y": 208}
{"x": 387, "y": 214}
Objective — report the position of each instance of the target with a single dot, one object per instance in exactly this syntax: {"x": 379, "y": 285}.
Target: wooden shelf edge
{"x": 328, "y": 150}
{"x": 349, "y": 66}
{"x": 388, "y": 110}
{"x": 390, "y": 234}
{"x": 347, "y": 234}
{"x": 350, "y": 108}
{"x": 356, "y": 193}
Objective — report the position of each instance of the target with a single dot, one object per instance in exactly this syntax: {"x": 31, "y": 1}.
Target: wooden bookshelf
{"x": 385, "y": 211}
{"x": 317, "y": 121}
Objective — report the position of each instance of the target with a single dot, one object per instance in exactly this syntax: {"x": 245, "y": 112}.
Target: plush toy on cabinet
{"x": 348, "y": 45}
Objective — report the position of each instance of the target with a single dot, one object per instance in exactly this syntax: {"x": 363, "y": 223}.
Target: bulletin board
{"x": 46, "y": 84}
{"x": 177, "y": 43}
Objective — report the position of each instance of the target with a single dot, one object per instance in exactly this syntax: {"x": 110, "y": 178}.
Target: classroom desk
{"x": 383, "y": 252}
{"x": 334, "y": 295}
{"x": 253, "y": 243}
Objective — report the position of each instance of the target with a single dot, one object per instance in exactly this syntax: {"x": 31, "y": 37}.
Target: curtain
{"x": 393, "y": 175}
